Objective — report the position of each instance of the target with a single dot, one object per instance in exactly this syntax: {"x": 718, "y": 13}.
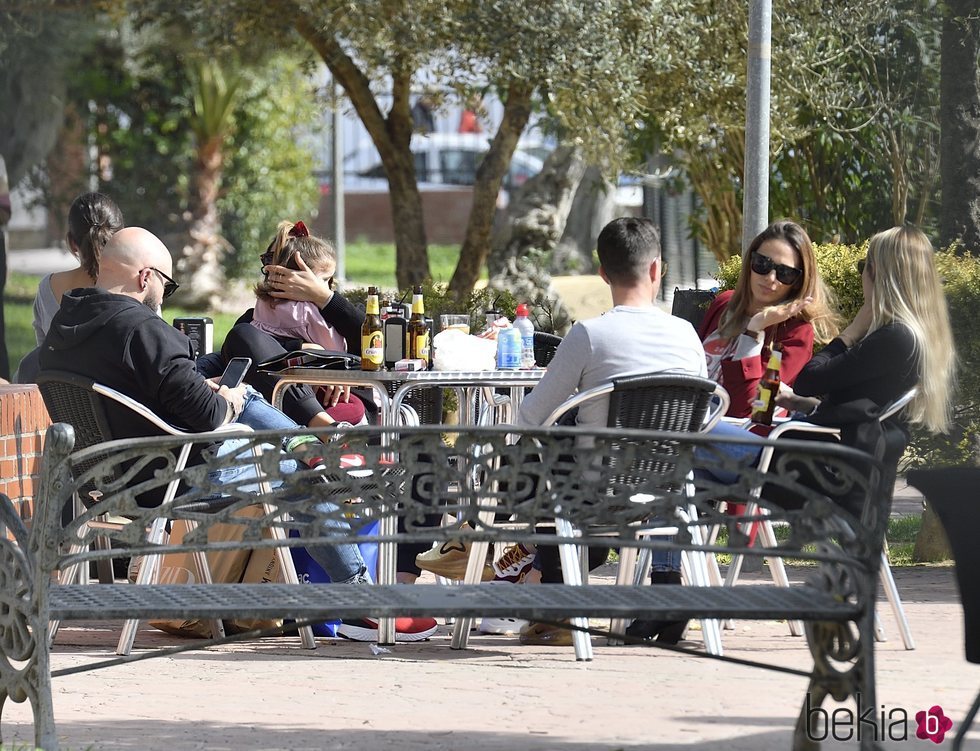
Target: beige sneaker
{"x": 449, "y": 560}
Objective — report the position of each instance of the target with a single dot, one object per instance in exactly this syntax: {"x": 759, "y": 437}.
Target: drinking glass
{"x": 454, "y": 321}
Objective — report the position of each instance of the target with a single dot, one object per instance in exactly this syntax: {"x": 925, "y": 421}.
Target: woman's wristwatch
{"x": 757, "y": 335}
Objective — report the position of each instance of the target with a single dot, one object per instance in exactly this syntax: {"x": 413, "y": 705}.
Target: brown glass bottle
{"x": 372, "y": 335}
{"x": 418, "y": 331}
{"x": 765, "y": 400}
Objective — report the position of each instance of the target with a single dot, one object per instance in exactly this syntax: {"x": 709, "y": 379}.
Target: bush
{"x": 961, "y": 282}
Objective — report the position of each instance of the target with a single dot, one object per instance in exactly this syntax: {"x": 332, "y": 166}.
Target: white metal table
{"x": 466, "y": 384}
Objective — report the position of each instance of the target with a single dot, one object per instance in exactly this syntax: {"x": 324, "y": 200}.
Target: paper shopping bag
{"x": 227, "y": 566}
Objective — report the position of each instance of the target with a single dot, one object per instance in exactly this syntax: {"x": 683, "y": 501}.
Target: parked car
{"x": 441, "y": 159}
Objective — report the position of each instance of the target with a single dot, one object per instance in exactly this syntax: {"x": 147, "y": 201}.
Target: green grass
{"x": 900, "y": 536}
{"x": 19, "y": 316}
{"x": 374, "y": 263}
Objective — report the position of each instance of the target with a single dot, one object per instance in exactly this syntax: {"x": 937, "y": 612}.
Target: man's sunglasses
{"x": 169, "y": 285}
{"x": 784, "y": 274}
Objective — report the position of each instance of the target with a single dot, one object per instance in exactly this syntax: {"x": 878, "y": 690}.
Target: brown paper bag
{"x": 263, "y": 567}
{"x": 227, "y": 566}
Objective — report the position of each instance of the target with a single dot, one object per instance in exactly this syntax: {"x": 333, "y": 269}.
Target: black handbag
{"x": 691, "y": 305}
{"x": 312, "y": 358}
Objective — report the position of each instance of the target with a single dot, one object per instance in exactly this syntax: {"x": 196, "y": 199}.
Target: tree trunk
{"x": 959, "y": 118}
{"x": 489, "y": 177}
{"x": 593, "y": 207}
{"x": 391, "y": 135}
{"x": 931, "y": 544}
{"x": 201, "y": 251}
{"x": 531, "y": 229}
{"x": 713, "y": 174}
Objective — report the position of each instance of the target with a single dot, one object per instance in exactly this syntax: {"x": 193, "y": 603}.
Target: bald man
{"x": 113, "y": 333}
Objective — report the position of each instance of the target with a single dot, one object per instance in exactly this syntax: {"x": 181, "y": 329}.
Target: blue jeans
{"x": 342, "y": 563}
{"x": 670, "y": 560}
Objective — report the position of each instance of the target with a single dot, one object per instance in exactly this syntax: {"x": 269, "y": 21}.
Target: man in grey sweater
{"x": 634, "y": 337}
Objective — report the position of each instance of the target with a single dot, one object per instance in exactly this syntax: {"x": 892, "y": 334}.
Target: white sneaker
{"x": 501, "y": 626}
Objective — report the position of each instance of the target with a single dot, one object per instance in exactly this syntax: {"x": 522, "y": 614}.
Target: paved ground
{"x": 496, "y": 696}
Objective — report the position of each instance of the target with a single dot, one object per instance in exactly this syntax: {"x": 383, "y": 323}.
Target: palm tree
{"x": 215, "y": 86}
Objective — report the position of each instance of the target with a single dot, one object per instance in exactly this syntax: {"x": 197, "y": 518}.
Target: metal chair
{"x": 767, "y": 536}
{"x": 82, "y": 403}
{"x": 545, "y": 346}
{"x": 663, "y": 402}
{"x": 952, "y": 492}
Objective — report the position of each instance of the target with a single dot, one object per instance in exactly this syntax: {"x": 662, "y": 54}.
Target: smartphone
{"x": 235, "y": 372}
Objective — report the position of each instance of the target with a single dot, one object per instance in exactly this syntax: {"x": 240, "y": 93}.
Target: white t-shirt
{"x": 623, "y": 341}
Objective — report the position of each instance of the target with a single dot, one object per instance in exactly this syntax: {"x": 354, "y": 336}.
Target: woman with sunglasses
{"x": 778, "y": 299}
{"x": 295, "y": 308}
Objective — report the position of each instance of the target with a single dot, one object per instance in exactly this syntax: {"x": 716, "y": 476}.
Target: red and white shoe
{"x": 406, "y": 629}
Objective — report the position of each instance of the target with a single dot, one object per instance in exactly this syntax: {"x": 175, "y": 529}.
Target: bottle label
{"x": 508, "y": 350}
{"x": 373, "y": 347}
{"x": 421, "y": 350}
{"x": 761, "y": 403}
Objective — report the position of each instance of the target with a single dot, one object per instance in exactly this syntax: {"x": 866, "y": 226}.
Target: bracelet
{"x": 757, "y": 335}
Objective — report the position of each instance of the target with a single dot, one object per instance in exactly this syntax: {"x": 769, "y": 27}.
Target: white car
{"x": 440, "y": 159}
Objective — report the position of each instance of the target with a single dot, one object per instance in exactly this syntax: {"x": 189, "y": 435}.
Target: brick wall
{"x": 367, "y": 216}
{"x": 23, "y": 423}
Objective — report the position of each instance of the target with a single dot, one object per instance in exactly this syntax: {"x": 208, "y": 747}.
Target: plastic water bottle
{"x": 523, "y": 324}
{"x": 509, "y": 349}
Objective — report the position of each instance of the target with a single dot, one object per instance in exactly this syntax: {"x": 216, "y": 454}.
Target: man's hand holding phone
{"x": 230, "y": 387}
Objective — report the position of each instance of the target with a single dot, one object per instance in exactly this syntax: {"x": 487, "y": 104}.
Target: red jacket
{"x": 741, "y": 377}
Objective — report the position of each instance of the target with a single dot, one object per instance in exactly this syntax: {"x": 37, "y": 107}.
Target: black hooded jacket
{"x": 121, "y": 343}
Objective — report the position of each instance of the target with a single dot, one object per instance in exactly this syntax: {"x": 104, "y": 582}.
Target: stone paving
{"x": 496, "y": 696}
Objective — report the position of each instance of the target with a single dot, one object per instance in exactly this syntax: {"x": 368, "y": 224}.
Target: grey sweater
{"x": 622, "y": 341}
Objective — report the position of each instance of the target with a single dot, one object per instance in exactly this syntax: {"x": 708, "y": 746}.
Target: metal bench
{"x": 602, "y": 482}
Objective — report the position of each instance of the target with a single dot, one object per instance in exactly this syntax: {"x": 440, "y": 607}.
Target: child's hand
{"x": 331, "y": 395}
{"x": 301, "y": 285}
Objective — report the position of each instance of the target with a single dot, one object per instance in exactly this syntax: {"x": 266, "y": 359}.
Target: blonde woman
{"x": 900, "y": 338}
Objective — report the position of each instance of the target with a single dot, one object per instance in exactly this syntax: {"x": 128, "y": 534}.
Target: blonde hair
{"x": 821, "y": 313}
{"x": 906, "y": 289}
{"x": 292, "y": 238}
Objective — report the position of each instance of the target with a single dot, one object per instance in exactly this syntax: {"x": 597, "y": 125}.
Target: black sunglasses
{"x": 169, "y": 285}
{"x": 784, "y": 274}
{"x": 861, "y": 264}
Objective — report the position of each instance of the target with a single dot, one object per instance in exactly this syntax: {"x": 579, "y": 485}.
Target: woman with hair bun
{"x": 296, "y": 306}
{"x": 92, "y": 219}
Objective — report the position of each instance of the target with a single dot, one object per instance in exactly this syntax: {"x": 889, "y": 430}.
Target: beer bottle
{"x": 418, "y": 331}
{"x": 372, "y": 336}
{"x": 765, "y": 400}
